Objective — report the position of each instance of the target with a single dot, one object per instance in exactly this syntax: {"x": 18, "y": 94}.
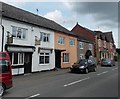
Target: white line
{"x": 102, "y": 73}
{"x": 114, "y": 68}
{"x": 76, "y": 82}
{"x": 33, "y": 96}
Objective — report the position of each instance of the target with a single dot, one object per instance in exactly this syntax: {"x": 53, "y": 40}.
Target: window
{"x": 105, "y": 44}
{"x": 90, "y": 46}
{"x": 111, "y": 45}
{"x": 4, "y": 66}
{"x": 99, "y": 42}
{"x": 61, "y": 40}
{"x": 19, "y": 32}
{"x": 81, "y": 44}
{"x": 81, "y": 56}
{"x": 65, "y": 57}
{"x": 44, "y": 58}
{"x": 72, "y": 42}
{"x": 44, "y": 37}
{"x": 17, "y": 58}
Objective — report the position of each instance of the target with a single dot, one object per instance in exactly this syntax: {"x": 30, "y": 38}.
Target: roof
{"x": 28, "y": 17}
{"x": 84, "y": 33}
{"x": 105, "y": 36}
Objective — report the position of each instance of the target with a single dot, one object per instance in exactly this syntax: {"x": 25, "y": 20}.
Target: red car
{"x": 5, "y": 72}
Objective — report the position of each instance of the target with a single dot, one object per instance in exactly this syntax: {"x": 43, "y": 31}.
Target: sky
{"x": 95, "y": 15}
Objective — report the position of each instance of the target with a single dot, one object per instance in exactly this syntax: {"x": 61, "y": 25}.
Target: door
{"x": 27, "y": 63}
{"x": 57, "y": 59}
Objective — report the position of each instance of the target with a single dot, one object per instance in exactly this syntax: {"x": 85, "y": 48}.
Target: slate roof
{"x": 27, "y": 17}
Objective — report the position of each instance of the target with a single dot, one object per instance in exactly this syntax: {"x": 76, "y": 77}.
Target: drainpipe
{"x": 2, "y": 38}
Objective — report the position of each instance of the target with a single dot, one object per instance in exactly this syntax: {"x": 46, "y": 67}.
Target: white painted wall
{"x": 0, "y": 37}
{"x": 50, "y": 44}
{"x": 30, "y": 41}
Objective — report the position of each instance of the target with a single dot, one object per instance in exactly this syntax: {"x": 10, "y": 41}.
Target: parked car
{"x": 5, "y": 72}
{"x": 107, "y": 62}
{"x": 83, "y": 65}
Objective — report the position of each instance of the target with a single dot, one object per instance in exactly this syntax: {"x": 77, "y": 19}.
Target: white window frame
{"x": 81, "y": 45}
{"x": 105, "y": 45}
{"x": 61, "y": 40}
{"x": 99, "y": 42}
{"x": 90, "y": 47}
{"x": 82, "y": 56}
{"x": 44, "y": 55}
{"x": 19, "y": 59}
{"x": 66, "y": 55}
{"x": 44, "y": 37}
{"x": 111, "y": 45}
{"x": 72, "y": 42}
{"x": 16, "y": 30}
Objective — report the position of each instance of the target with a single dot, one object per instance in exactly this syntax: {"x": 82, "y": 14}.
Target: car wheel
{"x": 86, "y": 71}
{"x": 2, "y": 89}
{"x": 95, "y": 69}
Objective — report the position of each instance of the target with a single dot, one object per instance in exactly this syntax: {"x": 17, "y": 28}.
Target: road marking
{"x": 33, "y": 96}
{"x": 114, "y": 68}
{"x": 102, "y": 73}
{"x": 76, "y": 82}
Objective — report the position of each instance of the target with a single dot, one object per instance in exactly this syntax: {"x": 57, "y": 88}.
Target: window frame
{"x": 16, "y": 30}
{"x": 72, "y": 42}
{"x": 18, "y": 59}
{"x": 66, "y": 55}
{"x": 44, "y": 37}
{"x": 81, "y": 45}
{"x": 44, "y": 55}
{"x": 90, "y": 47}
{"x": 61, "y": 40}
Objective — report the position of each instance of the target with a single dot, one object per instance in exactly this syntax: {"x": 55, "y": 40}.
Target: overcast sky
{"x": 94, "y": 15}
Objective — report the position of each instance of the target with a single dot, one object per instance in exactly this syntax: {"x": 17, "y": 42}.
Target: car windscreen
{"x": 106, "y": 60}
{"x": 82, "y": 62}
{"x": 4, "y": 66}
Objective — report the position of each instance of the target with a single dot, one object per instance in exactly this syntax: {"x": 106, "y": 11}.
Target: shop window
{"x": 17, "y": 58}
{"x": 44, "y": 58}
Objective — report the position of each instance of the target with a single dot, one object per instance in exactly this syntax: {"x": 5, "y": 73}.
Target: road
{"x": 62, "y": 83}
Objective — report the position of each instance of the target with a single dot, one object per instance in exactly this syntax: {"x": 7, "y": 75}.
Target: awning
{"x": 104, "y": 51}
{"x": 19, "y": 48}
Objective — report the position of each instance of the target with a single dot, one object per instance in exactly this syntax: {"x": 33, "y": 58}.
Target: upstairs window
{"x": 105, "y": 44}
{"x": 99, "y": 43}
{"x": 18, "y": 32}
{"x": 45, "y": 37}
{"x": 90, "y": 47}
{"x": 72, "y": 42}
{"x": 81, "y": 44}
{"x": 61, "y": 40}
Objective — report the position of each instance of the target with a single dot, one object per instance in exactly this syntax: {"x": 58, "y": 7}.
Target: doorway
{"x": 27, "y": 62}
{"x": 57, "y": 58}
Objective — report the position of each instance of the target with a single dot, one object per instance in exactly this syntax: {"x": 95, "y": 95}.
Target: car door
{"x": 90, "y": 64}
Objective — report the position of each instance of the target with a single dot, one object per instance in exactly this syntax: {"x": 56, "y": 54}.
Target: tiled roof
{"x": 84, "y": 33}
{"x": 105, "y": 36}
{"x": 27, "y": 17}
